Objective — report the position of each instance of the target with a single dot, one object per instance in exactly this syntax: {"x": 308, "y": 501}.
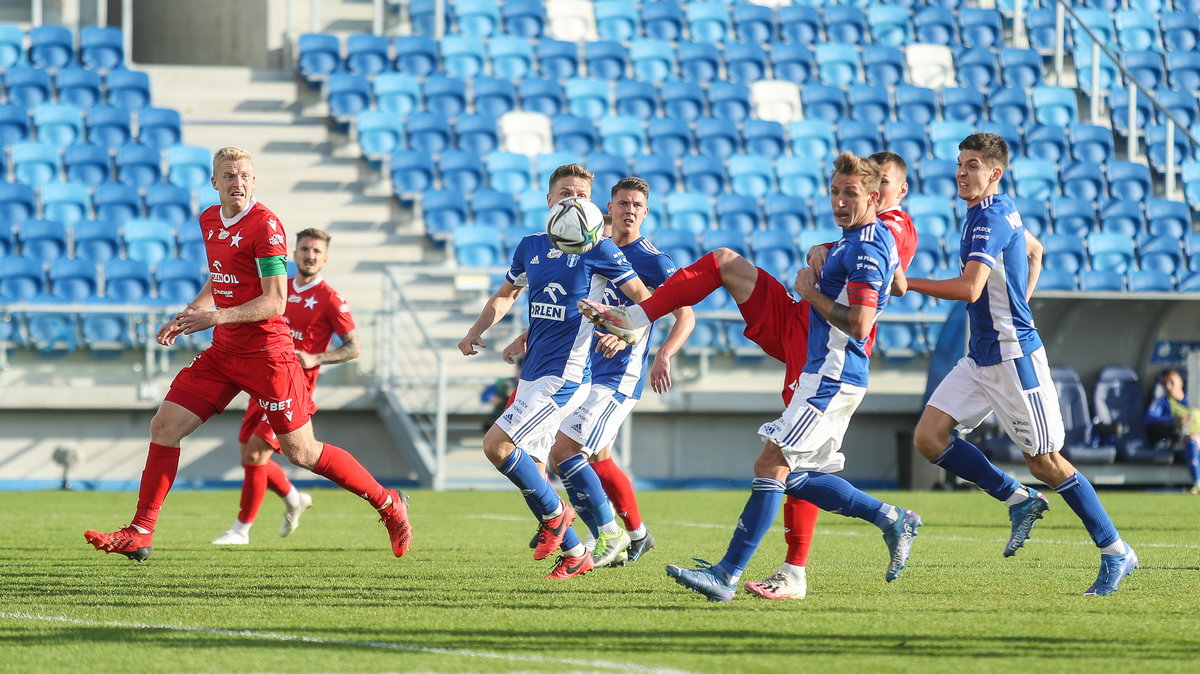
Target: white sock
{"x": 638, "y": 533}
{"x": 292, "y": 498}
{"x": 558, "y": 510}
{"x": 1017, "y": 496}
{"x": 140, "y": 530}
{"x": 733, "y": 579}
{"x": 590, "y": 543}
{"x": 890, "y": 513}
{"x": 610, "y": 529}
{"x": 576, "y": 551}
{"x": 240, "y": 527}
{"x": 792, "y": 572}
{"x": 1117, "y": 547}
{"x": 637, "y": 316}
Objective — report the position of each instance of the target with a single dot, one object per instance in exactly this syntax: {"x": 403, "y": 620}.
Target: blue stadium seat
{"x": 412, "y": 172}
{"x": 86, "y": 164}
{"x": 750, "y": 175}
{"x": 683, "y": 101}
{"x": 17, "y": 202}
{"x": 1162, "y": 254}
{"x": 27, "y": 87}
{"x": 1101, "y": 280}
{"x": 108, "y": 126}
{"x": 838, "y": 65}
{"x": 976, "y": 68}
{"x": 1190, "y": 176}
{"x": 446, "y": 96}
{"x": 1137, "y": 29}
{"x": 1150, "y": 281}
{"x": 980, "y": 27}
{"x": 170, "y": 203}
{"x": 12, "y": 46}
{"x": 792, "y": 62}
{"x": 491, "y": 96}
{"x": 1168, "y": 218}
{"x": 1122, "y": 216}
{"x": 726, "y": 237}
{"x": 35, "y": 163}
{"x": 1083, "y": 180}
{"x": 577, "y": 134}
{"x": 870, "y": 104}
{"x": 822, "y": 218}
{"x": 67, "y": 203}
{"x": 1055, "y": 106}
{"x": 737, "y": 213}
{"x": 379, "y": 133}
{"x": 495, "y": 209}
{"x": 101, "y": 48}
{"x": 1181, "y": 104}
{"x": 1129, "y": 180}
{"x": 478, "y": 246}
{"x": 606, "y": 60}
{"x": 179, "y": 280}
{"x": 160, "y": 128}
{"x": 945, "y": 135}
{"x": 509, "y": 172}
{"x": 860, "y": 138}
{"x": 935, "y": 25}
{"x": 690, "y": 212}
{"x": 422, "y": 14}
{"x": 703, "y": 174}
{"x": 907, "y": 139}
{"x": 774, "y": 251}
{"x": 937, "y": 177}
{"x": 148, "y": 240}
{"x": 189, "y": 166}
{"x": 14, "y": 124}
{"x": 1084, "y": 67}
{"x": 813, "y": 139}
{"x": 932, "y": 214}
{"x": 1063, "y": 252}
{"x": 916, "y": 105}
{"x": 1046, "y": 142}
{"x": 617, "y": 20}
{"x": 589, "y": 97}
{"x": 443, "y": 211}
{"x": 399, "y": 94}
{"x": 1146, "y": 67}
{"x": 823, "y": 102}
{"x": 58, "y": 124}
{"x": 1034, "y": 178}
{"x": 511, "y": 57}
{"x": 1034, "y": 215}
{"x": 927, "y": 259}
{"x": 127, "y": 280}
{"x": 753, "y": 23}
{"x": 97, "y": 241}
{"x": 542, "y": 96}
{"x": 799, "y": 24}
{"x": 662, "y": 20}
{"x": 884, "y": 66}
{"x": 138, "y": 166}
{"x": 718, "y": 137}
{"x": 636, "y": 99}
{"x": 319, "y": 55}
{"x": 78, "y": 87}
{"x": 51, "y": 47}
{"x": 622, "y": 135}
{"x": 668, "y": 136}
{"x": 524, "y": 18}
{"x": 1011, "y": 134}
{"x": 1190, "y": 283}
{"x": 463, "y": 56}
{"x": 416, "y": 55}
{"x": 889, "y": 25}
{"x": 1180, "y": 33}
{"x": 799, "y": 176}
{"x": 1071, "y": 216}
{"x": 763, "y": 137}
{"x": 74, "y": 280}
{"x": 1156, "y": 147}
{"x": 746, "y": 62}
{"x": 21, "y": 278}
{"x": 129, "y": 89}
{"x": 653, "y": 60}
{"x": 1091, "y": 143}
{"x": 962, "y": 104}
{"x": 785, "y": 212}
{"x": 1056, "y": 279}
{"x": 729, "y": 100}
{"x": 709, "y": 21}
{"x": 116, "y": 203}
{"x": 845, "y": 24}
{"x": 367, "y": 54}
{"x": 513, "y": 235}
{"x": 1101, "y": 23}
{"x": 43, "y": 240}
{"x": 680, "y": 243}
{"x": 1020, "y": 68}
{"x": 1118, "y": 101}
{"x": 477, "y": 18}
{"x": 429, "y": 133}
{"x": 347, "y": 95}
{"x": 557, "y": 59}
{"x": 699, "y": 62}
{"x": 607, "y": 168}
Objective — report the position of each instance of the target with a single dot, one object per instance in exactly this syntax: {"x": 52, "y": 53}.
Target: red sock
{"x": 339, "y": 467}
{"x": 276, "y": 480}
{"x": 685, "y": 287}
{"x": 799, "y": 521}
{"x": 254, "y": 487}
{"x": 162, "y": 462}
{"x": 620, "y": 492}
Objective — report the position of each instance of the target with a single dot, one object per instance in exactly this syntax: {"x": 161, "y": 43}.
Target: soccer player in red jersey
{"x": 251, "y": 351}
{"x": 779, "y": 324}
{"x": 314, "y": 314}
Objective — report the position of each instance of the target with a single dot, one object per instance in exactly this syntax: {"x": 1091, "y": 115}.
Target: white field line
{"x": 868, "y": 532}
{"x": 384, "y": 645}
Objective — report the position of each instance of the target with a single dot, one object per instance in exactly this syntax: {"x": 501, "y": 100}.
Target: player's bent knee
{"x": 171, "y": 424}
{"x": 771, "y": 463}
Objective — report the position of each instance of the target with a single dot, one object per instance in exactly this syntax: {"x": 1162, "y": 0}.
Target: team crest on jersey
{"x": 572, "y": 260}
{"x": 553, "y": 254}
{"x": 345, "y": 308}
{"x": 293, "y": 299}
{"x": 275, "y": 240}
{"x": 223, "y": 235}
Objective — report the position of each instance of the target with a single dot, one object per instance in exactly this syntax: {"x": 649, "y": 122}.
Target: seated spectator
{"x": 1169, "y": 421}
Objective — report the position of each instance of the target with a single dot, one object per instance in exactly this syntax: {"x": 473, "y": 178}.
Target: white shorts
{"x": 538, "y": 409}
{"x": 811, "y": 429}
{"x": 595, "y": 423}
{"x": 1019, "y": 391}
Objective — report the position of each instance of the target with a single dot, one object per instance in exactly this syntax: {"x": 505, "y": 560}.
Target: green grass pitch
{"x": 468, "y": 597}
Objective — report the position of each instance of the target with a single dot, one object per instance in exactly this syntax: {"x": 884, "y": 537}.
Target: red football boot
{"x": 550, "y": 532}
{"x": 568, "y": 567}
{"x": 128, "y": 541}
{"x": 395, "y": 518}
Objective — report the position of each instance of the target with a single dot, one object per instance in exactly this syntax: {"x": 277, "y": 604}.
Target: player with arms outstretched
{"x": 251, "y": 351}
{"x": 314, "y": 314}
{"x": 1005, "y": 370}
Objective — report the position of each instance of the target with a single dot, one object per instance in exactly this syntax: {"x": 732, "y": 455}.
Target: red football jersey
{"x": 314, "y": 314}
{"x": 901, "y": 226}
{"x": 241, "y": 250}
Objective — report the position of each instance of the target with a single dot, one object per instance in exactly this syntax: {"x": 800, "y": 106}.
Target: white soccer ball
{"x": 575, "y": 225}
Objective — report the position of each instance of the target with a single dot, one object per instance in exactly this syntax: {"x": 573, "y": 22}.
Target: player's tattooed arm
{"x": 350, "y": 349}
{"x": 855, "y": 321}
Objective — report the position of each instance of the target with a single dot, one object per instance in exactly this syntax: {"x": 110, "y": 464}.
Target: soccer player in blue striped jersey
{"x": 801, "y": 449}
{"x": 556, "y": 373}
{"x": 1005, "y": 370}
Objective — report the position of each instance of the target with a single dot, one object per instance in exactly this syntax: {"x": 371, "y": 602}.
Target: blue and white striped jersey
{"x": 625, "y": 371}
{"x": 1001, "y": 322}
{"x": 560, "y": 338}
{"x": 865, "y": 256}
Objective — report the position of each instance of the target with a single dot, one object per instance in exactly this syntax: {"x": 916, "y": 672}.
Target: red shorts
{"x": 255, "y": 423}
{"x": 779, "y": 324}
{"x": 274, "y": 380}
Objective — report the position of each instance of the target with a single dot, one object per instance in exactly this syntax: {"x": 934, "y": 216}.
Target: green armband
{"x": 276, "y": 265}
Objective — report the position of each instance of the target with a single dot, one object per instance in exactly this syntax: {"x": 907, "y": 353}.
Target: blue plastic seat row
{"x": 70, "y": 203}
{"x": 29, "y": 87}
{"x": 124, "y": 280}
{"x": 53, "y": 47}
{"x": 146, "y": 239}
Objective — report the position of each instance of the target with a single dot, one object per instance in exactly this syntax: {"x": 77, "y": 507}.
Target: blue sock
{"x": 522, "y": 471}
{"x": 585, "y": 514}
{"x": 832, "y": 493}
{"x": 585, "y": 491}
{"x": 1081, "y": 496}
{"x": 756, "y": 519}
{"x": 966, "y": 461}
{"x": 1191, "y": 453}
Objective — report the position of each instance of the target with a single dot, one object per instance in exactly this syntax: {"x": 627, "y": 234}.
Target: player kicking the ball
{"x": 314, "y": 313}
{"x": 1005, "y": 369}
{"x": 555, "y": 379}
{"x": 251, "y": 351}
